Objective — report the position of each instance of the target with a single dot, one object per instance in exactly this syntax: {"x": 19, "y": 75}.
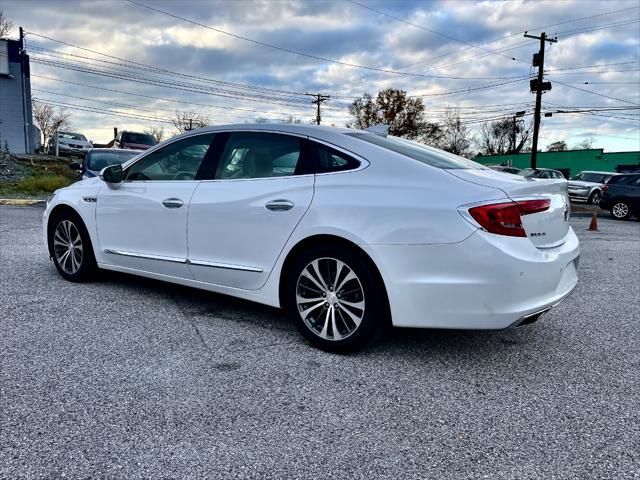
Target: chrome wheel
{"x": 67, "y": 247}
{"x": 620, "y": 210}
{"x": 595, "y": 198}
{"x": 330, "y": 298}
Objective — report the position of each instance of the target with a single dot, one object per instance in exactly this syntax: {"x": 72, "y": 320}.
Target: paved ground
{"x": 128, "y": 378}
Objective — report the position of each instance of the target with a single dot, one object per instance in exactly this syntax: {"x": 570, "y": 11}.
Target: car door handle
{"x": 279, "y": 205}
{"x": 172, "y": 203}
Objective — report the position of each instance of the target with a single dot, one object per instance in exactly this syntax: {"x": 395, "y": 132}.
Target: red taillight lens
{"x": 504, "y": 218}
{"x": 605, "y": 187}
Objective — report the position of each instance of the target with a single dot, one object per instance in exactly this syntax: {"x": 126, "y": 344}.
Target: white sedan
{"x": 349, "y": 231}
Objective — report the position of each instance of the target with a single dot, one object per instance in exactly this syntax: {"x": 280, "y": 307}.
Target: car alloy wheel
{"x": 595, "y": 198}
{"x": 67, "y": 247}
{"x": 620, "y": 210}
{"x": 330, "y": 298}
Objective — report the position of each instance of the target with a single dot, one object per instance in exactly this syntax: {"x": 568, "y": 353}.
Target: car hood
{"x": 582, "y": 183}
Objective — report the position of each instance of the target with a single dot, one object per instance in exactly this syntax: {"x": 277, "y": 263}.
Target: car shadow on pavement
{"x": 209, "y": 306}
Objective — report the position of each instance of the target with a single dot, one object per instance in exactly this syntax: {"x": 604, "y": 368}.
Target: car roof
{"x": 596, "y": 171}
{"x": 318, "y": 131}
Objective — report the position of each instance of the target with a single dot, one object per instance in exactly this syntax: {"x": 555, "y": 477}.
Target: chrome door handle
{"x": 279, "y": 205}
{"x": 172, "y": 203}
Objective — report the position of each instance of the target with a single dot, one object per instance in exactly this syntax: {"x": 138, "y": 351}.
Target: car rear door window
{"x": 249, "y": 155}
{"x": 328, "y": 159}
{"x": 179, "y": 160}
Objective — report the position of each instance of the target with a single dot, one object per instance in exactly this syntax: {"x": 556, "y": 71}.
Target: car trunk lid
{"x": 545, "y": 229}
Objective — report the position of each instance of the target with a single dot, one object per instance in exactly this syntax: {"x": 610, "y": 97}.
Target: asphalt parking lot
{"x": 131, "y": 378}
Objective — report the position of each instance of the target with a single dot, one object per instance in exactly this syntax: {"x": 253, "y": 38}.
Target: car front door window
{"x": 179, "y": 160}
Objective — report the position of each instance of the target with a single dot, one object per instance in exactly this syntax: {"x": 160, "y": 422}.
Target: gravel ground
{"x": 130, "y": 378}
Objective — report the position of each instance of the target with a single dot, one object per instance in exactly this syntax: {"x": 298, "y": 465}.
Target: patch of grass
{"x": 42, "y": 177}
{"x": 42, "y": 184}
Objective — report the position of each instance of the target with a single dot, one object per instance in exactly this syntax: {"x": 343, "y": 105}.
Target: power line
{"x": 596, "y": 93}
{"x": 444, "y": 35}
{"x": 308, "y": 55}
{"x": 168, "y": 99}
{"x": 540, "y": 27}
{"x": 163, "y": 70}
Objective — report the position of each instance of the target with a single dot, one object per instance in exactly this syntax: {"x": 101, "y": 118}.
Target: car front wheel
{"x": 71, "y": 248}
{"x": 335, "y": 299}
{"x": 594, "y": 199}
{"x": 620, "y": 210}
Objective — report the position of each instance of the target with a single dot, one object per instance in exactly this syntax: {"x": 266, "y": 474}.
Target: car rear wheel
{"x": 71, "y": 248}
{"x": 594, "y": 199}
{"x": 335, "y": 299}
{"x": 620, "y": 210}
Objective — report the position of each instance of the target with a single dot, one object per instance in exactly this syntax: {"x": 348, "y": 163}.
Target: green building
{"x": 569, "y": 161}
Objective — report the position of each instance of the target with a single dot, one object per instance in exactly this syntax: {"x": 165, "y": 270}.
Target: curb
{"x": 20, "y": 202}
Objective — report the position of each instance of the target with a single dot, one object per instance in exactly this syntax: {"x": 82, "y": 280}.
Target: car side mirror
{"x": 75, "y": 166}
{"x": 112, "y": 175}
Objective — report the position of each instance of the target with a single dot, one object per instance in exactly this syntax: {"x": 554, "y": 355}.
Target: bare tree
{"x": 455, "y": 135}
{"x": 586, "y": 144}
{"x": 6, "y": 25}
{"x": 185, "y": 121}
{"x": 499, "y": 138}
{"x": 49, "y": 119}
{"x": 157, "y": 132}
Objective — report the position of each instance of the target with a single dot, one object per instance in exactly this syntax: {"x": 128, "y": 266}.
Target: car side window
{"x": 331, "y": 160}
{"x": 259, "y": 155}
{"x": 177, "y": 161}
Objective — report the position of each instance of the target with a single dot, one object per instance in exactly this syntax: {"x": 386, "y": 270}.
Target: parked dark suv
{"x": 134, "y": 140}
{"x": 621, "y": 196}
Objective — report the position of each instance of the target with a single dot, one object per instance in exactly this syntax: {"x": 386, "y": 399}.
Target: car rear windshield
{"x": 139, "y": 138}
{"x": 98, "y": 160}
{"x": 418, "y": 151}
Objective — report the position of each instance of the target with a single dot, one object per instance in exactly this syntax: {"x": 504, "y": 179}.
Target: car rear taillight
{"x": 505, "y": 218}
{"x": 605, "y": 187}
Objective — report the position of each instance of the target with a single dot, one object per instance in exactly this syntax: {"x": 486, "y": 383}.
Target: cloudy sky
{"x": 235, "y": 61}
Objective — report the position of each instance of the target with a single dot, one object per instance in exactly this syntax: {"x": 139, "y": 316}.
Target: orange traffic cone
{"x": 593, "y": 226}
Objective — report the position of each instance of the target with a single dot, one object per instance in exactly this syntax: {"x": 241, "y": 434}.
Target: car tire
{"x": 342, "y": 314}
{"x": 594, "y": 198}
{"x": 620, "y": 210}
{"x": 71, "y": 249}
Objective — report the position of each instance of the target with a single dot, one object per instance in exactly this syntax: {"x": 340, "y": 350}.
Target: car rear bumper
{"x": 485, "y": 282}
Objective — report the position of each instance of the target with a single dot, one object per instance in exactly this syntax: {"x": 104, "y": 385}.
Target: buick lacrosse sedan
{"x": 349, "y": 231}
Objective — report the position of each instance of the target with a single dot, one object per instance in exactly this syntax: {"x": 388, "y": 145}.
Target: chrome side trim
{"x": 227, "y": 266}
{"x": 146, "y": 256}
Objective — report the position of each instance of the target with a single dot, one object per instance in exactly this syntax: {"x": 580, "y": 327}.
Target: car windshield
{"x": 72, "y": 136}
{"x": 98, "y": 160}
{"x": 139, "y": 138}
{"x": 418, "y": 151}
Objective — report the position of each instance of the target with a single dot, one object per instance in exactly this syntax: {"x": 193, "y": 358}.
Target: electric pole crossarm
{"x": 318, "y": 99}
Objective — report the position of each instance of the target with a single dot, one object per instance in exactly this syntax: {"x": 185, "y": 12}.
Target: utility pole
{"x": 23, "y": 63}
{"x": 319, "y": 98}
{"x": 538, "y": 86}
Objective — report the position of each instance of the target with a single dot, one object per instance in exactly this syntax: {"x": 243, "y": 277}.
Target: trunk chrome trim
{"x": 227, "y": 266}
{"x": 146, "y": 256}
